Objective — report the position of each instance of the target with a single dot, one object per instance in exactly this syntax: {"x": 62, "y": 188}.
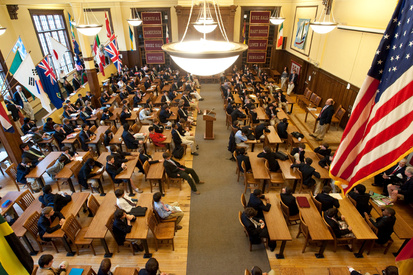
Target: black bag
{"x": 178, "y": 152}
{"x": 281, "y": 155}
{"x": 297, "y": 135}
{"x": 138, "y": 211}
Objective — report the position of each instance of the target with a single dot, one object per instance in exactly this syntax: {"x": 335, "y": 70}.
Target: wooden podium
{"x": 209, "y": 118}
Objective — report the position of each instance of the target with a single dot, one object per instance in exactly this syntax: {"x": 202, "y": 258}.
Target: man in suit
{"x": 23, "y": 169}
{"x": 68, "y": 156}
{"x": 405, "y": 191}
{"x": 237, "y": 113}
{"x": 15, "y": 112}
{"x": 282, "y": 129}
{"x": 256, "y": 227}
{"x": 130, "y": 141}
{"x": 112, "y": 169}
{"x": 179, "y": 139}
{"x": 271, "y": 112}
{"x": 33, "y": 155}
{"x": 255, "y": 202}
{"x": 175, "y": 170}
{"x": 362, "y": 199}
{"x": 385, "y": 225}
{"x": 184, "y": 114}
{"x": 292, "y": 82}
{"x": 122, "y": 226}
{"x": 68, "y": 126}
{"x": 298, "y": 153}
{"x": 76, "y": 82}
{"x": 282, "y": 101}
{"x": 324, "y": 119}
{"x": 242, "y": 157}
{"x": 164, "y": 114}
{"x": 308, "y": 172}
{"x": 59, "y": 134}
{"x": 289, "y": 200}
{"x": 20, "y": 99}
{"x": 323, "y": 149}
{"x": 85, "y": 136}
{"x": 271, "y": 157}
{"x": 326, "y": 200}
{"x": 260, "y": 129}
{"x": 85, "y": 174}
{"x": 46, "y": 219}
{"x": 391, "y": 176}
{"x": 337, "y": 224}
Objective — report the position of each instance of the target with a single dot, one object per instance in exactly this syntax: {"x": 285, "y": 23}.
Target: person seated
{"x": 282, "y": 100}
{"x": 68, "y": 127}
{"x": 45, "y": 266}
{"x": 66, "y": 113}
{"x": 79, "y": 102}
{"x": 237, "y": 114}
{"x": 137, "y": 99}
{"x": 385, "y": 225}
{"x": 128, "y": 138}
{"x": 114, "y": 170}
{"x": 23, "y": 169}
{"x": 56, "y": 201}
{"x": 87, "y": 97}
{"x": 48, "y": 126}
{"x": 68, "y": 155}
{"x": 179, "y": 139}
{"x": 37, "y": 137}
{"x": 32, "y": 154}
{"x": 122, "y": 226}
{"x": 59, "y": 134}
{"x": 358, "y": 193}
{"x": 106, "y": 114}
{"x": 86, "y": 174}
{"x": 104, "y": 268}
{"x": 176, "y": 170}
{"x": 123, "y": 94}
{"x": 326, "y": 161}
{"x": 107, "y": 137}
{"x": 85, "y": 136}
{"x": 46, "y": 219}
{"x": 390, "y": 270}
{"x": 323, "y": 149}
{"x": 157, "y": 138}
{"x": 145, "y": 115}
{"x": 183, "y": 114}
{"x": 337, "y": 224}
{"x": 308, "y": 171}
{"x": 184, "y": 130}
{"x": 157, "y": 126}
{"x": 256, "y": 227}
{"x": 167, "y": 211}
{"x": 89, "y": 108}
{"x": 241, "y": 138}
{"x": 125, "y": 203}
{"x": 257, "y": 271}
{"x": 254, "y": 115}
{"x": 230, "y": 106}
{"x": 326, "y": 200}
{"x": 72, "y": 108}
{"x": 282, "y": 128}
{"x": 271, "y": 157}
{"x": 255, "y": 202}
{"x": 298, "y": 153}
{"x": 395, "y": 175}
{"x": 289, "y": 200}
{"x": 143, "y": 157}
{"x": 271, "y": 112}
{"x": 84, "y": 116}
{"x": 124, "y": 115}
{"x": 28, "y": 124}
{"x": 165, "y": 114}
{"x": 260, "y": 129}
{"x": 104, "y": 98}
{"x": 242, "y": 157}
{"x": 151, "y": 268}
{"x": 405, "y": 191}
{"x": 56, "y": 167}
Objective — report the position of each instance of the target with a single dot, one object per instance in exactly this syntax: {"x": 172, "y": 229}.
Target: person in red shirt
{"x": 156, "y": 138}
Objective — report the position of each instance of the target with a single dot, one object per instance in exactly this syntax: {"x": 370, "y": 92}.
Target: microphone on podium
{"x": 211, "y": 111}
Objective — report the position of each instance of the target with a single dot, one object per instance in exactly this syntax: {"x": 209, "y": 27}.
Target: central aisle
{"x": 217, "y": 243}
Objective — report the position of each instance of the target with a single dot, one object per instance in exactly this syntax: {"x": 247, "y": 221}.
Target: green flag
{"x": 16, "y": 63}
{"x": 97, "y": 40}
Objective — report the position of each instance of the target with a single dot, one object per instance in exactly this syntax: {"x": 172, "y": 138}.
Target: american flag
{"x": 112, "y": 50}
{"x": 380, "y": 131}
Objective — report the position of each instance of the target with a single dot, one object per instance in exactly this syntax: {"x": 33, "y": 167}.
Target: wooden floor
{"x": 174, "y": 262}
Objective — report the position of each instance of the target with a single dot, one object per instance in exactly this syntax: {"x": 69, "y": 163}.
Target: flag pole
{"x": 12, "y": 50}
{"x": 12, "y": 77}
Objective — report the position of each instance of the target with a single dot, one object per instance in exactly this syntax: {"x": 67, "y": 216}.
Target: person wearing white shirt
{"x": 145, "y": 115}
{"x": 240, "y": 138}
{"x": 124, "y": 203}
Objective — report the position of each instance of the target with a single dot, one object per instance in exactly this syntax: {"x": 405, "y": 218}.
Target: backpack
{"x": 281, "y": 155}
{"x": 178, "y": 152}
{"x": 297, "y": 135}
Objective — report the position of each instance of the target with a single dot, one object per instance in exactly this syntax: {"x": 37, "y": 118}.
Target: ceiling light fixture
{"x": 2, "y": 30}
{"x": 137, "y": 21}
{"x": 205, "y": 23}
{"x": 276, "y": 18}
{"x": 205, "y": 57}
{"x": 326, "y": 22}
{"x": 87, "y": 28}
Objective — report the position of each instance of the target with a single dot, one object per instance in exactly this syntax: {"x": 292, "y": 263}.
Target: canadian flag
{"x": 58, "y": 51}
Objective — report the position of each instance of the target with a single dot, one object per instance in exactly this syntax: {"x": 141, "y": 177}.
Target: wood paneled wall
{"x": 322, "y": 82}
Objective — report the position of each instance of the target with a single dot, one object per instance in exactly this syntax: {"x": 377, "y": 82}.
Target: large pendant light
{"x": 276, "y": 18}
{"x": 325, "y": 22}
{"x": 135, "y": 21}
{"x": 205, "y": 57}
{"x": 205, "y": 23}
{"x": 2, "y": 30}
{"x": 87, "y": 28}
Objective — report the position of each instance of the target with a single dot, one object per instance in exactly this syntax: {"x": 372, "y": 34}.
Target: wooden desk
{"x": 12, "y": 196}
{"x": 87, "y": 269}
{"x": 293, "y": 128}
{"x": 313, "y": 113}
{"x": 275, "y": 74}
{"x": 272, "y": 137}
{"x": 72, "y": 208}
{"x": 291, "y": 271}
{"x": 140, "y": 227}
{"x": 99, "y": 131}
{"x": 66, "y": 173}
{"x": 324, "y": 174}
{"x": 287, "y": 172}
{"x": 318, "y": 230}
{"x": 38, "y": 171}
{"x": 258, "y": 168}
{"x": 281, "y": 114}
{"x": 71, "y": 141}
{"x": 156, "y": 171}
{"x": 111, "y": 100}
{"x": 359, "y": 227}
{"x": 261, "y": 114}
{"x": 290, "y": 101}
{"x": 276, "y": 225}
{"x": 117, "y": 137}
{"x": 97, "y": 228}
{"x": 237, "y": 99}
{"x": 3, "y": 158}
{"x": 126, "y": 271}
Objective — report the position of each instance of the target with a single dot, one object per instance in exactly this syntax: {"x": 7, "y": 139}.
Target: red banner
{"x": 155, "y": 58}
{"x": 259, "y": 31}
{"x": 260, "y": 17}
{"x": 256, "y": 57}
{"x": 258, "y": 44}
{"x": 152, "y": 32}
{"x": 153, "y": 45}
{"x": 151, "y": 18}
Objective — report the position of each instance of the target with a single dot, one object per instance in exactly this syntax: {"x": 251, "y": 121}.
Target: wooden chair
{"x": 249, "y": 181}
{"x": 353, "y": 201}
{"x": 289, "y": 143}
{"x": 376, "y": 230}
{"x": 109, "y": 226}
{"x": 338, "y": 116}
{"x": 301, "y": 181}
{"x": 113, "y": 184}
{"x": 75, "y": 170}
{"x": 247, "y": 272}
{"x": 176, "y": 181}
{"x": 146, "y": 167}
{"x": 286, "y": 213}
{"x": 93, "y": 205}
{"x": 35, "y": 268}
{"x": 136, "y": 127}
{"x": 291, "y": 158}
{"x": 74, "y": 231}
{"x": 25, "y": 199}
{"x": 237, "y": 170}
{"x": 93, "y": 128}
{"x": 12, "y": 172}
{"x": 317, "y": 203}
{"x": 316, "y": 101}
{"x": 339, "y": 241}
{"x": 243, "y": 200}
{"x": 160, "y": 220}
{"x": 228, "y": 120}
{"x": 313, "y": 98}
{"x": 303, "y": 229}
{"x": 31, "y": 226}
{"x": 276, "y": 179}
{"x": 163, "y": 232}
{"x": 246, "y": 232}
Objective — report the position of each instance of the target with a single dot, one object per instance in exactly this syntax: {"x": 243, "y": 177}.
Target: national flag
{"x": 27, "y": 76}
{"x": 17, "y": 60}
{"x": 75, "y": 47}
{"x": 78, "y": 62}
{"x": 280, "y": 36}
{"x": 244, "y": 29}
{"x": 167, "y": 34}
{"x": 99, "y": 55}
{"x": 14, "y": 258}
{"x": 379, "y": 132}
{"x": 6, "y": 123}
{"x": 58, "y": 51}
{"x": 108, "y": 31}
{"x": 71, "y": 25}
{"x": 20, "y": 47}
{"x": 48, "y": 79}
{"x": 404, "y": 260}
{"x": 112, "y": 50}
{"x": 131, "y": 38}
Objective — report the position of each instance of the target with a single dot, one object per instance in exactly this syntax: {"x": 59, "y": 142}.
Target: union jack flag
{"x": 49, "y": 83}
{"x": 112, "y": 50}
{"x": 48, "y": 70}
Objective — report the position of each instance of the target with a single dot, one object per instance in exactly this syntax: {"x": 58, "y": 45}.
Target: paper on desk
{"x": 336, "y": 196}
{"x": 135, "y": 109}
{"x": 79, "y": 158}
{"x": 312, "y": 109}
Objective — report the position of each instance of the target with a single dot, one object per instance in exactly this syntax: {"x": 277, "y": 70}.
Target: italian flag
{"x": 100, "y": 58}
{"x": 280, "y": 36}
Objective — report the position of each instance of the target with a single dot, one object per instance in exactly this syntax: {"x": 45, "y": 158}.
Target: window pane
{"x": 55, "y": 36}
{"x": 58, "y": 22}
{"x": 43, "y": 43}
{"x": 37, "y": 23}
{"x": 45, "y": 26}
{"x": 51, "y": 22}
{"x": 62, "y": 38}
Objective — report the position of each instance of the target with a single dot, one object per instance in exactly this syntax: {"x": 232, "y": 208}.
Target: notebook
{"x": 76, "y": 271}
{"x": 303, "y": 202}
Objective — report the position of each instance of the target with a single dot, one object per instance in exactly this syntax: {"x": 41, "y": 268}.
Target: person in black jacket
{"x": 282, "y": 128}
{"x": 68, "y": 127}
{"x": 324, "y": 119}
{"x": 256, "y": 227}
{"x": 362, "y": 199}
{"x": 339, "y": 226}
{"x": 33, "y": 155}
{"x": 137, "y": 99}
{"x": 14, "y": 110}
{"x": 143, "y": 157}
{"x": 157, "y": 126}
{"x": 175, "y": 170}
{"x": 271, "y": 157}
{"x": 23, "y": 169}
{"x": 298, "y": 153}
{"x": 68, "y": 88}
{"x": 308, "y": 171}
{"x": 114, "y": 170}
{"x": 56, "y": 201}
{"x": 28, "y": 124}
{"x": 85, "y": 173}
{"x": 403, "y": 191}
{"x": 45, "y": 221}
{"x": 385, "y": 225}
{"x": 85, "y": 136}
{"x": 326, "y": 200}
{"x": 323, "y": 149}
{"x": 59, "y": 134}
{"x": 130, "y": 141}
{"x": 48, "y": 126}
{"x": 107, "y": 137}
{"x": 289, "y": 200}
{"x": 237, "y": 113}
{"x": 76, "y": 82}
{"x": 164, "y": 114}
{"x": 326, "y": 161}
{"x": 124, "y": 115}
{"x": 242, "y": 157}
{"x": 255, "y": 202}
{"x": 394, "y": 175}
{"x": 122, "y": 226}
